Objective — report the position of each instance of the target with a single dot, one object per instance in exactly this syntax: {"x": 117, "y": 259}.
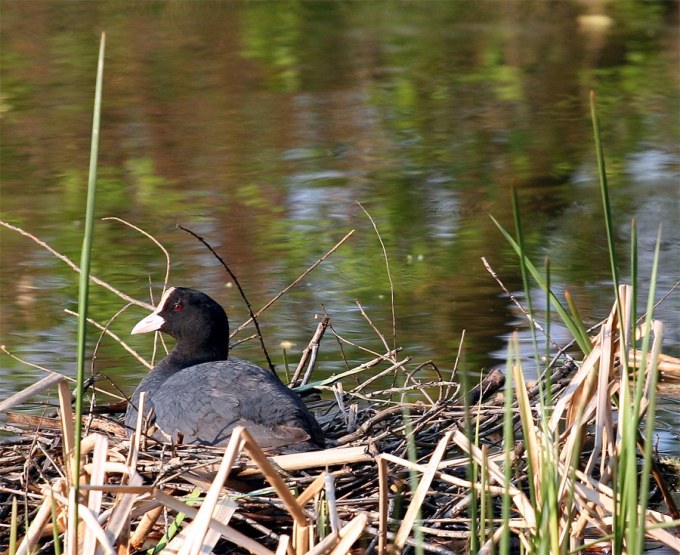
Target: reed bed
{"x": 396, "y": 478}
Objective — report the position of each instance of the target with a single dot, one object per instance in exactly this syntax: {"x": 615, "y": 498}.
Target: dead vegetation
{"x": 415, "y": 465}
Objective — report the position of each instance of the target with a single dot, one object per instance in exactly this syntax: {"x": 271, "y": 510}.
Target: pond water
{"x": 261, "y": 126}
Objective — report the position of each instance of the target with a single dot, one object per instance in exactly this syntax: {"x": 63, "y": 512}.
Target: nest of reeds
{"x": 416, "y": 462}
{"x": 416, "y": 465}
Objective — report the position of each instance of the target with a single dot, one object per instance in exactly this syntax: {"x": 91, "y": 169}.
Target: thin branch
{"x": 294, "y": 282}
{"x": 241, "y": 291}
{"x": 74, "y": 267}
{"x": 389, "y": 275}
{"x": 152, "y": 238}
{"x": 108, "y": 332}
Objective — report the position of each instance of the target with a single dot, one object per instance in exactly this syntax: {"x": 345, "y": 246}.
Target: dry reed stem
{"x": 604, "y": 428}
{"x": 51, "y": 495}
{"x": 283, "y": 545}
{"x": 202, "y": 520}
{"x": 222, "y": 513}
{"x": 421, "y": 492}
{"x": 447, "y": 478}
{"x": 325, "y": 545}
{"x": 94, "y": 498}
{"x": 312, "y": 489}
{"x": 67, "y": 431}
{"x": 314, "y": 459}
{"x": 146, "y": 525}
{"x": 350, "y": 534}
{"x": 119, "y": 521}
{"x": 227, "y": 532}
{"x": 668, "y": 366}
{"x": 18, "y": 398}
{"x": 531, "y": 443}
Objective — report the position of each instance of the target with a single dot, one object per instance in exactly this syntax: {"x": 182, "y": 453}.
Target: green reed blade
{"x": 84, "y": 281}
{"x": 55, "y": 528}
{"x": 583, "y": 342}
{"x": 604, "y": 189}
{"x": 654, "y": 374}
{"x": 508, "y": 451}
{"x": 176, "y": 525}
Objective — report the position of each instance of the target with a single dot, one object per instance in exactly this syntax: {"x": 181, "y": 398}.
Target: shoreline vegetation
{"x": 432, "y": 463}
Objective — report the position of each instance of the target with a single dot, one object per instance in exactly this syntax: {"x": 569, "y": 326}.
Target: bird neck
{"x": 188, "y": 353}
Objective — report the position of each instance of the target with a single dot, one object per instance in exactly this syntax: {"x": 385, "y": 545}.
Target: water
{"x": 261, "y": 126}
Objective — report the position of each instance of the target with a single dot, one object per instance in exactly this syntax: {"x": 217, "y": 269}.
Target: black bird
{"x": 198, "y": 394}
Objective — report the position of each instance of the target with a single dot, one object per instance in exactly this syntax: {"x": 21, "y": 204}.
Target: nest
{"x": 421, "y": 464}
{"x": 414, "y": 464}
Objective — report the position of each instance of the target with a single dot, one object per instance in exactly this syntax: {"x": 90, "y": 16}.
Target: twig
{"x": 523, "y": 310}
{"x": 74, "y": 267}
{"x": 389, "y": 275}
{"x": 241, "y": 291}
{"x": 374, "y": 328}
{"x": 293, "y": 283}
{"x": 115, "y": 337}
{"x": 152, "y": 238}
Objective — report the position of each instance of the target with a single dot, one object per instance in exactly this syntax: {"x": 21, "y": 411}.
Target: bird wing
{"x": 205, "y": 402}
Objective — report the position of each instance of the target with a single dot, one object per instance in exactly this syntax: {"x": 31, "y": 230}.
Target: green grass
{"x": 84, "y": 283}
{"x": 551, "y": 491}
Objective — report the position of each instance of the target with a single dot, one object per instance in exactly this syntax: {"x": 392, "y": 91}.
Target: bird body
{"x": 198, "y": 394}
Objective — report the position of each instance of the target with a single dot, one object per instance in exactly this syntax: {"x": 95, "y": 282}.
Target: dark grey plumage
{"x": 199, "y": 395}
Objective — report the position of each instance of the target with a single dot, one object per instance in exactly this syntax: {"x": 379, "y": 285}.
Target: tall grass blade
{"x": 583, "y": 342}
{"x": 653, "y": 374}
{"x": 525, "y": 275}
{"x": 604, "y": 189}
{"x": 84, "y": 281}
{"x": 508, "y": 450}
{"x": 470, "y": 467}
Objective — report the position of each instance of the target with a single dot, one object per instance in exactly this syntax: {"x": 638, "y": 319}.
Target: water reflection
{"x": 260, "y": 125}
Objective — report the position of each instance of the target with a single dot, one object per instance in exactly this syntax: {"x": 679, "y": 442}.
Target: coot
{"x": 198, "y": 394}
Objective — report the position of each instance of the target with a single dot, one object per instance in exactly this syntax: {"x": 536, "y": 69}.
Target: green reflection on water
{"x": 260, "y": 124}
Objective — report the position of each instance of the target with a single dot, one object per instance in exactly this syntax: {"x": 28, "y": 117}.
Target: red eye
{"x": 177, "y": 307}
